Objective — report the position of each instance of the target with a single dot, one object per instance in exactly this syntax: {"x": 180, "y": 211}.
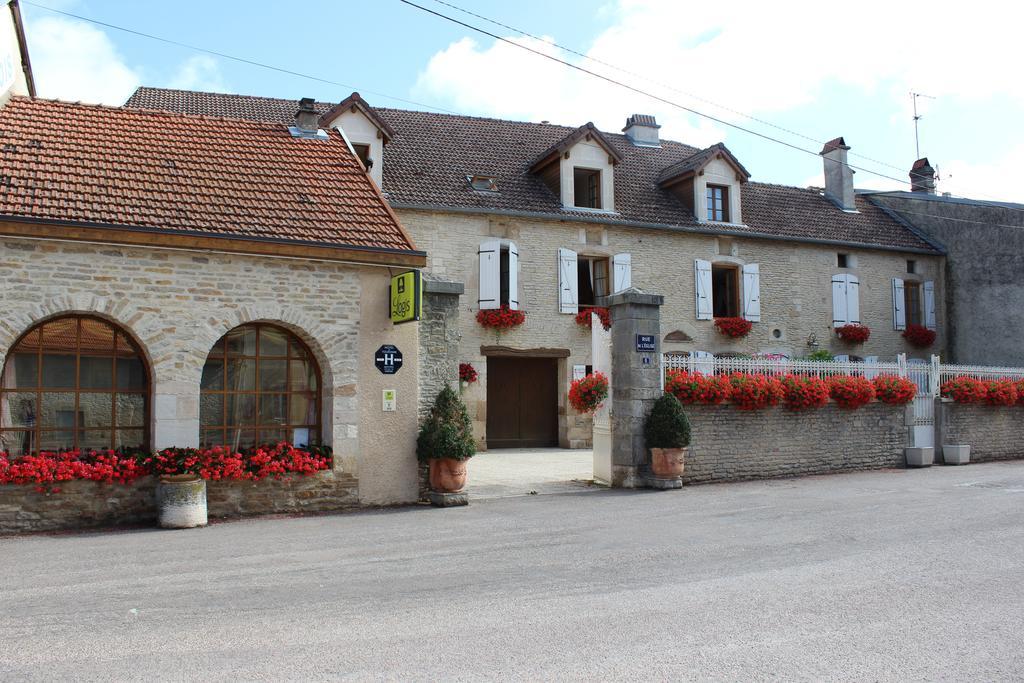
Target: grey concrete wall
{"x": 992, "y": 432}
{"x": 984, "y": 273}
{"x": 82, "y": 504}
{"x": 729, "y": 444}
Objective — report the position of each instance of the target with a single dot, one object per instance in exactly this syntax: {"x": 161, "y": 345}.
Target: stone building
{"x": 550, "y": 219}
{"x": 984, "y": 245}
{"x": 181, "y": 280}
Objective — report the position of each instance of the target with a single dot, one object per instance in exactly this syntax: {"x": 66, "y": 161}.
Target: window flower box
{"x": 735, "y": 328}
{"x": 853, "y": 333}
{"x": 919, "y": 336}
{"x": 588, "y": 393}
{"x": 500, "y": 319}
{"x": 467, "y": 373}
{"x": 583, "y": 318}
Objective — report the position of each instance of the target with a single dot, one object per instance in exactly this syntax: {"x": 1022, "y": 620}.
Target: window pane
{"x": 303, "y": 376}
{"x": 94, "y": 439}
{"x": 240, "y": 438}
{"x": 58, "y": 371}
{"x": 131, "y": 410}
{"x": 95, "y": 372}
{"x": 209, "y": 438}
{"x": 131, "y": 373}
{"x": 272, "y": 409}
{"x": 273, "y": 436}
{"x": 241, "y": 342}
{"x": 273, "y": 342}
{"x": 56, "y": 441}
{"x": 302, "y": 410}
{"x": 273, "y": 375}
{"x": 213, "y": 375}
{"x": 211, "y": 409}
{"x": 19, "y": 409}
{"x": 242, "y": 409}
{"x": 17, "y": 443}
{"x": 128, "y": 438}
{"x": 241, "y": 374}
{"x": 30, "y": 342}
{"x": 26, "y": 371}
{"x": 58, "y": 410}
{"x": 95, "y": 410}
{"x": 295, "y": 349}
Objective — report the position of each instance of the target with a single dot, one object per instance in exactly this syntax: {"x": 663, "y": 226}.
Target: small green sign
{"x": 406, "y": 297}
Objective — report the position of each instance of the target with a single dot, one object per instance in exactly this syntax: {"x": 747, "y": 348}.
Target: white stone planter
{"x": 919, "y": 457}
{"x": 956, "y": 455}
{"x": 181, "y": 502}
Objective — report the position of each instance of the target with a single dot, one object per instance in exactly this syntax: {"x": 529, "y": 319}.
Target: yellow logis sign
{"x": 406, "y": 297}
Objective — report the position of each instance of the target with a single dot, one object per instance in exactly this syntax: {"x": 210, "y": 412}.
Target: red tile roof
{"x": 218, "y": 177}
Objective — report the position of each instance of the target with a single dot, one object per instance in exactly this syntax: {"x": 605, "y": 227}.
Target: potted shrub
{"x": 180, "y": 490}
{"x": 445, "y": 443}
{"x": 667, "y": 434}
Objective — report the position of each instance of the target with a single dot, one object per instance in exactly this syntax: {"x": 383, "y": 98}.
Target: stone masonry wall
{"x": 81, "y": 504}
{"x": 732, "y": 445}
{"x": 993, "y": 433}
{"x": 796, "y": 291}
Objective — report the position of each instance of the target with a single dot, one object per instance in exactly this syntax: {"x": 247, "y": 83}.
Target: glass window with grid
{"x": 718, "y": 203}
{"x": 74, "y": 382}
{"x": 260, "y": 385}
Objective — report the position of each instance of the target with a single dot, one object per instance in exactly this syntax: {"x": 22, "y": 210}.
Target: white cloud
{"x": 756, "y": 57}
{"x": 72, "y": 60}
{"x": 200, "y": 72}
{"x": 997, "y": 179}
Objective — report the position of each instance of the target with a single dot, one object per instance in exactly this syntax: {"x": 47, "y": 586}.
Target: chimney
{"x": 642, "y": 130}
{"x": 922, "y": 176}
{"x": 307, "y": 120}
{"x": 838, "y": 175}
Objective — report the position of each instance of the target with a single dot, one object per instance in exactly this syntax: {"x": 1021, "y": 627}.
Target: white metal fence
{"x": 947, "y": 372}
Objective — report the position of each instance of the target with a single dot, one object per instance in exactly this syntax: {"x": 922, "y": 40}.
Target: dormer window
{"x": 718, "y": 203}
{"x": 483, "y": 183}
{"x": 363, "y": 152}
{"x": 587, "y": 188}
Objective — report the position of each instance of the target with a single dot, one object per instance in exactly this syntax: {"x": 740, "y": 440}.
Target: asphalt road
{"x": 875, "y": 576}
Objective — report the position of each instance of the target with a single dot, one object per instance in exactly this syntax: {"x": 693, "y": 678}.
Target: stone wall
{"x": 796, "y": 291}
{"x": 732, "y": 445}
{"x": 439, "y": 339}
{"x": 82, "y": 504}
{"x": 992, "y": 432}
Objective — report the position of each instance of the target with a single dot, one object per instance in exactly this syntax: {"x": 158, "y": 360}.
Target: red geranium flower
{"x": 964, "y": 389}
{"x": 467, "y": 373}
{"x": 851, "y": 392}
{"x": 500, "y": 319}
{"x": 583, "y": 317}
{"x": 894, "y": 390}
{"x": 919, "y": 336}
{"x": 854, "y": 333}
{"x": 587, "y": 394}
{"x": 734, "y": 327}
{"x": 804, "y": 393}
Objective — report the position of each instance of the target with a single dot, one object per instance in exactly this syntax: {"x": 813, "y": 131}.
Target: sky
{"x": 801, "y": 72}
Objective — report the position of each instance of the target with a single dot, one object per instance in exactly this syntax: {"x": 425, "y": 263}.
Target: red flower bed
{"x": 693, "y": 387}
{"x": 964, "y": 389}
{"x": 500, "y": 319}
{"x": 919, "y": 336}
{"x": 49, "y": 467}
{"x": 894, "y": 390}
{"x": 587, "y": 394}
{"x": 467, "y": 373}
{"x": 1020, "y": 392}
{"x": 804, "y": 393}
{"x": 254, "y": 464}
{"x": 1001, "y": 392}
{"x": 716, "y": 390}
{"x": 853, "y": 333}
{"x": 734, "y": 327}
{"x": 583, "y": 318}
{"x": 753, "y": 392}
{"x": 851, "y": 392}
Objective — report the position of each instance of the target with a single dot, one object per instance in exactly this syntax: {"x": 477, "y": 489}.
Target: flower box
{"x": 500, "y": 319}
{"x": 584, "y": 319}
{"x": 853, "y": 333}
{"x": 734, "y": 328}
{"x": 588, "y": 393}
{"x": 919, "y": 336}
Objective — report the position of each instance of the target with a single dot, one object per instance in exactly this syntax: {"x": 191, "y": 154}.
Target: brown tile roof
{"x": 699, "y": 161}
{"x": 89, "y": 164}
{"x": 426, "y": 163}
{"x": 587, "y": 130}
{"x": 357, "y": 102}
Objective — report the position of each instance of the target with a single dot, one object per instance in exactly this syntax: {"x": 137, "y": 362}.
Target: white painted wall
{"x": 361, "y": 131}
{"x": 12, "y": 76}
{"x": 588, "y": 155}
{"x": 717, "y": 172}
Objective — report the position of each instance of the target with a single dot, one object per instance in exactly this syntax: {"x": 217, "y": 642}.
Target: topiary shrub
{"x": 447, "y": 432}
{"x": 667, "y": 426}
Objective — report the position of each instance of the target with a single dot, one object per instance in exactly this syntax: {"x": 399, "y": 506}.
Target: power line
{"x": 696, "y": 112}
{"x": 241, "y": 60}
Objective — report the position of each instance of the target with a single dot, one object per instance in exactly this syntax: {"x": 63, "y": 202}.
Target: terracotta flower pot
{"x": 668, "y": 462}
{"x": 447, "y": 475}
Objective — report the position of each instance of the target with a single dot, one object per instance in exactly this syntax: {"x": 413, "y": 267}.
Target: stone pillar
{"x": 635, "y": 381}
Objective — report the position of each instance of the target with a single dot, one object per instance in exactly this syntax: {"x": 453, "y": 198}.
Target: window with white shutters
{"x": 845, "y": 299}
{"x": 499, "y": 275}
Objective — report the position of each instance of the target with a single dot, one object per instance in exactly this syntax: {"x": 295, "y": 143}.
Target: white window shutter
{"x": 899, "y": 314}
{"x": 513, "y": 276}
{"x": 702, "y": 272}
{"x": 840, "y": 301}
{"x": 853, "y": 299}
{"x": 752, "y": 292}
{"x": 929, "y": 304}
{"x": 622, "y": 272}
{"x": 490, "y": 275}
{"x": 568, "y": 284}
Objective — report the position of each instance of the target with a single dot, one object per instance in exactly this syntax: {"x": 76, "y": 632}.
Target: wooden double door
{"x": 522, "y": 402}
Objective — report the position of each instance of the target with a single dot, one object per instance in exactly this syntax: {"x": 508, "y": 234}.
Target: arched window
{"x": 74, "y": 382}
{"x": 260, "y": 385}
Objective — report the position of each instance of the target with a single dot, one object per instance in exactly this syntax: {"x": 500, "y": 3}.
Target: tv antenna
{"x": 917, "y": 117}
